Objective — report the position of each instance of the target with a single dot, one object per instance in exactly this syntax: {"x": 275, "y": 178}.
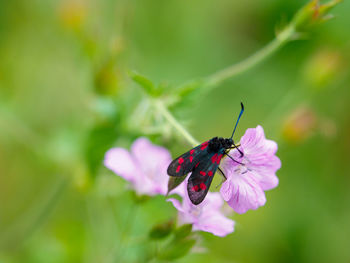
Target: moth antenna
{"x": 239, "y": 116}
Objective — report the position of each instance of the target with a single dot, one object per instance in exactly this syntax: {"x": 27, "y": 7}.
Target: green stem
{"x": 159, "y": 105}
{"x": 215, "y": 79}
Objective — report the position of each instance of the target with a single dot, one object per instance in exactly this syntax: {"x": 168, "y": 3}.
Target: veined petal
{"x": 247, "y": 193}
{"x": 254, "y": 143}
{"x": 266, "y": 174}
{"x": 226, "y": 190}
{"x": 252, "y": 139}
{"x": 244, "y": 188}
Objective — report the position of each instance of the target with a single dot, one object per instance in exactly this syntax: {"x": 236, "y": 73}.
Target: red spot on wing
{"x": 218, "y": 159}
{"x": 202, "y": 186}
{"x": 196, "y": 165}
{"x": 191, "y": 159}
{"x": 213, "y": 159}
{"x": 202, "y": 173}
{"x": 181, "y": 160}
{"x": 195, "y": 188}
{"x": 204, "y": 145}
{"x": 178, "y": 168}
{"x": 192, "y": 151}
{"x": 210, "y": 173}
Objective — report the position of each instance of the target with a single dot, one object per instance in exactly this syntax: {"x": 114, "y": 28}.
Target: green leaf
{"x": 161, "y": 230}
{"x": 145, "y": 83}
{"x": 139, "y": 199}
{"x": 174, "y": 182}
{"x": 188, "y": 88}
{"x": 183, "y": 231}
{"x": 176, "y": 249}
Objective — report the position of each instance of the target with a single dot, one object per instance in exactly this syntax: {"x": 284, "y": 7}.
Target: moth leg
{"x": 234, "y": 159}
{"x": 236, "y": 147}
{"x": 222, "y": 173}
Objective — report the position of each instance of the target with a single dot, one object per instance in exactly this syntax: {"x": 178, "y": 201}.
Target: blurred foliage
{"x": 66, "y": 96}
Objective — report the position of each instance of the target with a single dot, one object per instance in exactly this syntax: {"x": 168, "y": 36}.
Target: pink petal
{"x": 226, "y": 190}
{"x": 252, "y": 138}
{"x": 212, "y": 202}
{"x": 153, "y": 161}
{"x": 150, "y": 157}
{"x": 255, "y": 144}
{"x": 266, "y": 174}
{"x": 120, "y": 161}
{"x": 247, "y": 193}
{"x": 216, "y": 224}
{"x": 271, "y": 147}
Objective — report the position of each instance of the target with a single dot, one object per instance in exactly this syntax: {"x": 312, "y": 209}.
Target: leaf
{"x": 183, "y": 231}
{"x": 174, "y": 182}
{"x": 145, "y": 83}
{"x": 161, "y": 230}
{"x": 176, "y": 249}
{"x": 188, "y": 88}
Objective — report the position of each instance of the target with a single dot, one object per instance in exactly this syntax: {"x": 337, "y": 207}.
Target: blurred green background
{"x": 65, "y": 98}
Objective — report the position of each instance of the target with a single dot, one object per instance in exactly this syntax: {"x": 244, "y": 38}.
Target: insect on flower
{"x": 203, "y": 161}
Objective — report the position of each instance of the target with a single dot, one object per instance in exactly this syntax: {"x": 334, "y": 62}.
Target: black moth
{"x": 203, "y": 161}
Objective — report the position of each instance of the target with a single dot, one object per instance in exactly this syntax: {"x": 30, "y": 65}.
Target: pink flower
{"x": 245, "y": 184}
{"x": 206, "y": 216}
{"x": 145, "y": 167}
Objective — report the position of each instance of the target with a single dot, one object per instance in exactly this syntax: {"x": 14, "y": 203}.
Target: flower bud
{"x": 313, "y": 13}
{"x": 299, "y": 125}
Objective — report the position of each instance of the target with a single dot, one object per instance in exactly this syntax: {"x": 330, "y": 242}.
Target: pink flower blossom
{"x": 145, "y": 166}
{"x": 245, "y": 184}
{"x": 206, "y": 216}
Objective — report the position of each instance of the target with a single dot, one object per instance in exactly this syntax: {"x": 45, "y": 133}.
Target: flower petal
{"x": 150, "y": 157}
{"x": 212, "y": 202}
{"x": 252, "y": 139}
{"x": 120, "y": 161}
{"x": 266, "y": 174}
{"x": 254, "y": 143}
{"x": 226, "y": 190}
{"x": 216, "y": 224}
{"x": 247, "y": 193}
{"x": 153, "y": 161}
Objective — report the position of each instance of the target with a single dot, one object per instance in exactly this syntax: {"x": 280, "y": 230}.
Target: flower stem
{"x": 159, "y": 105}
{"x": 286, "y": 35}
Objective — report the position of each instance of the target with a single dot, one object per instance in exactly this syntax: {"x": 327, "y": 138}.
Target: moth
{"x": 203, "y": 161}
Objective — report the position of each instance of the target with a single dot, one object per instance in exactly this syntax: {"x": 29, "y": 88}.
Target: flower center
{"x": 195, "y": 211}
{"x": 241, "y": 169}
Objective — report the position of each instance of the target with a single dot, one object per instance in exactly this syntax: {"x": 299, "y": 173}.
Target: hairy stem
{"x": 215, "y": 79}
{"x": 159, "y": 105}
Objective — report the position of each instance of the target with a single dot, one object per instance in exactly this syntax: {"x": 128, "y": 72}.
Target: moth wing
{"x": 200, "y": 179}
{"x": 186, "y": 162}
